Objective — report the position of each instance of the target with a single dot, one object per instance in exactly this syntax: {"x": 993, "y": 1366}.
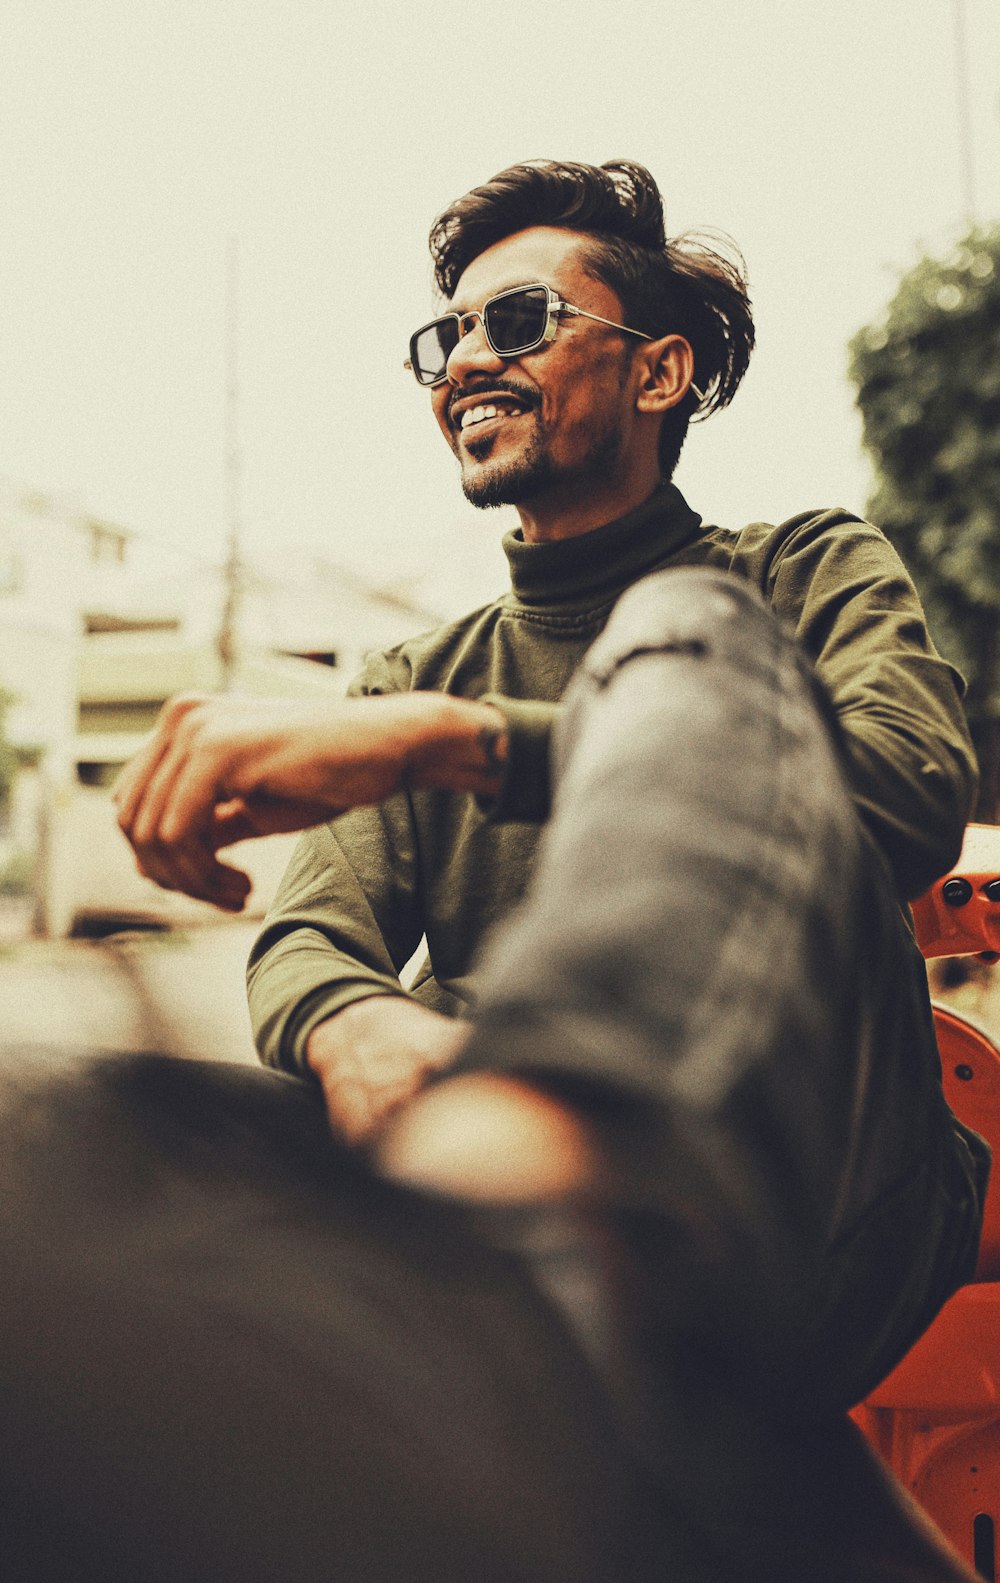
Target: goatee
{"x": 508, "y": 484}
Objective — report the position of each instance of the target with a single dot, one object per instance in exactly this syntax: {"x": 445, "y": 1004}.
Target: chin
{"x": 508, "y": 484}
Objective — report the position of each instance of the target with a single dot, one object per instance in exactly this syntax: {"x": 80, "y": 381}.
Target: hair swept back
{"x": 693, "y": 285}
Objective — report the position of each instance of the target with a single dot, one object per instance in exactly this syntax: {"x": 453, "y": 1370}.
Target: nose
{"x": 473, "y": 353}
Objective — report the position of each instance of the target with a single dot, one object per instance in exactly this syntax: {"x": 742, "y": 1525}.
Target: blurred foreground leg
{"x": 230, "y": 1353}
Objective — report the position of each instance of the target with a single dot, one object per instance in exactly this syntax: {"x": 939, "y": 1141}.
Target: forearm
{"x": 917, "y": 813}
{"x": 297, "y": 979}
{"x": 217, "y": 771}
{"x": 908, "y": 755}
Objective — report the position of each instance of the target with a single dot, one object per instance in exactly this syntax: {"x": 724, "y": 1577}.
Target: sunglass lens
{"x": 516, "y": 321}
{"x": 431, "y": 348}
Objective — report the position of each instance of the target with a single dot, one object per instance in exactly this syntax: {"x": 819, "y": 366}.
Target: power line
{"x": 227, "y": 642}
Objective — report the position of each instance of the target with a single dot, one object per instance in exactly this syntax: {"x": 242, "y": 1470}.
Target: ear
{"x": 667, "y": 369}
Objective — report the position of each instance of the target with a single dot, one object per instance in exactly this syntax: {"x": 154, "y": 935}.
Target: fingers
{"x": 180, "y": 793}
{"x": 218, "y": 770}
{"x": 192, "y": 867}
{"x": 128, "y": 789}
{"x": 176, "y": 847}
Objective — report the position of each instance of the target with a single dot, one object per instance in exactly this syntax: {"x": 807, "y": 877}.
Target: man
{"x": 676, "y": 1185}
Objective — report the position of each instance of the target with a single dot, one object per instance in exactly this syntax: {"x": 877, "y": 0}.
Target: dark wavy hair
{"x": 693, "y": 285}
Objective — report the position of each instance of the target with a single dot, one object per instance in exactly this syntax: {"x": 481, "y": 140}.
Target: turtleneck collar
{"x": 601, "y": 564}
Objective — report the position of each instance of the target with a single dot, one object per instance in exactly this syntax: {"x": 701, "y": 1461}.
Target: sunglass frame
{"x": 554, "y": 305}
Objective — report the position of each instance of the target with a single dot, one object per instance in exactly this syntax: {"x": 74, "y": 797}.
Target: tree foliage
{"x": 10, "y": 758}
{"x": 928, "y": 386}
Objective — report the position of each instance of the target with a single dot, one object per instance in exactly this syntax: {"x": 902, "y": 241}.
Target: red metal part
{"x": 936, "y": 1419}
{"x": 972, "y": 926}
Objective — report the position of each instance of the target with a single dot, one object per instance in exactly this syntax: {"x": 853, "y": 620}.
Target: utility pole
{"x": 227, "y": 642}
{"x": 964, "y": 114}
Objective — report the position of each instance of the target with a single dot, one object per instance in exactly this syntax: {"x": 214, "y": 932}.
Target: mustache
{"x": 494, "y": 387}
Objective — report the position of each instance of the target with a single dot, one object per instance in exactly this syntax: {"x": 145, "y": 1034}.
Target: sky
{"x": 137, "y": 140}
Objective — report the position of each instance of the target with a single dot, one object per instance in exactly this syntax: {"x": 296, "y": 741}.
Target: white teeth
{"x": 477, "y": 414}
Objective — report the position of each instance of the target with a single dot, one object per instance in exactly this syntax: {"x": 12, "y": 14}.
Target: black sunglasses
{"x": 514, "y": 322}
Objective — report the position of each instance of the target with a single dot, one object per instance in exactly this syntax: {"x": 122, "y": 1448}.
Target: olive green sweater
{"x": 361, "y": 891}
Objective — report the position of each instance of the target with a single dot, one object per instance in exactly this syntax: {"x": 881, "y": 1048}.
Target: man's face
{"x": 562, "y": 422}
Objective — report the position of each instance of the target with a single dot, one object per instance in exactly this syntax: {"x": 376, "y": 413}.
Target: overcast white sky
{"x": 137, "y": 136}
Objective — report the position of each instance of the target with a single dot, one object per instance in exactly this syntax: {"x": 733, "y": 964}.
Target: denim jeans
{"x": 712, "y": 962}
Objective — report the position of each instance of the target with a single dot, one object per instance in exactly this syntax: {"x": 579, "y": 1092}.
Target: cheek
{"x": 593, "y": 404}
{"x": 569, "y": 422}
{"x": 571, "y": 401}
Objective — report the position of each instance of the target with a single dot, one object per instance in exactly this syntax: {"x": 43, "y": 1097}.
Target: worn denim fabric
{"x": 713, "y": 961}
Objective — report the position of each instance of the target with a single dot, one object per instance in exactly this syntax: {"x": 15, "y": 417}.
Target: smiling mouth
{"x": 484, "y": 415}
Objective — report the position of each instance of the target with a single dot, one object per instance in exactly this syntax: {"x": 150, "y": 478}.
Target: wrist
{"x": 368, "y": 1028}
{"x": 373, "y": 1057}
{"x": 463, "y": 746}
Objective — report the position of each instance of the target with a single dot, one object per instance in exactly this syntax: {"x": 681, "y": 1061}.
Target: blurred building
{"x": 55, "y": 567}
{"x": 99, "y": 625}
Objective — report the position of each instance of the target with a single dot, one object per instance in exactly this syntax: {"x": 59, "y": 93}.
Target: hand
{"x": 221, "y": 769}
{"x": 375, "y": 1055}
{"x": 490, "y": 1139}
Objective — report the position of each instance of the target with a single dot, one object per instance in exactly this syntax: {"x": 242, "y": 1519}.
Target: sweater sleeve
{"x": 910, "y": 760}
{"x": 343, "y": 924}
{"x": 525, "y": 793}
{"x": 346, "y": 918}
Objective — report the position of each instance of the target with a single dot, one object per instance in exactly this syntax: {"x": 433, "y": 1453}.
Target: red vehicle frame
{"x": 936, "y": 1419}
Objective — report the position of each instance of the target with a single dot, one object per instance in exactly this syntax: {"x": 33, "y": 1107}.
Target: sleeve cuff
{"x": 525, "y": 793}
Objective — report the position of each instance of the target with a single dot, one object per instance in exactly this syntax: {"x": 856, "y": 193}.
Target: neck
{"x": 568, "y": 511}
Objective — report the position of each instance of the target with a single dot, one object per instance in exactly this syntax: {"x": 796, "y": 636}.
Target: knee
{"x": 693, "y": 611}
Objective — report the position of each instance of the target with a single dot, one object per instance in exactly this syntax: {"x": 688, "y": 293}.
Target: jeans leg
{"x": 712, "y": 962}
